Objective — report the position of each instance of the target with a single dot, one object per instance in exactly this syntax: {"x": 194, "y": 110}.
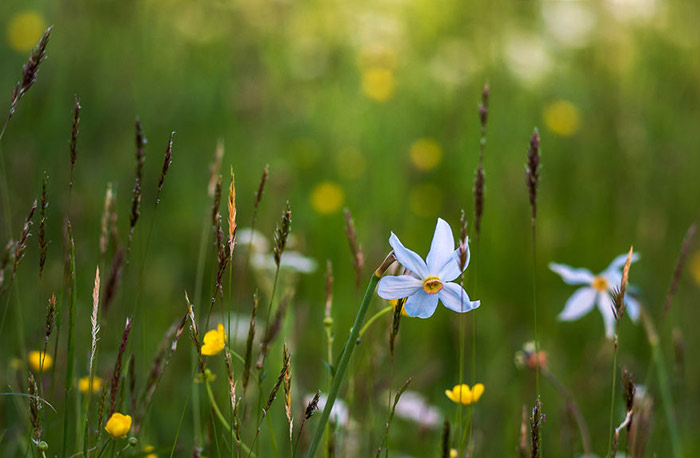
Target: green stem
{"x": 612, "y": 398}
{"x": 343, "y": 365}
{"x": 223, "y": 421}
{"x": 374, "y": 318}
{"x": 71, "y": 345}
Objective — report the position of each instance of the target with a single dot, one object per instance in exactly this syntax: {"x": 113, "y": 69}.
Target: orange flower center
{"x": 432, "y": 285}
{"x": 600, "y": 284}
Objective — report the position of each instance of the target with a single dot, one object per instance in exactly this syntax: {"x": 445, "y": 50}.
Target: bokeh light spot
{"x": 327, "y": 198}
{"x": 378, "y": 84}
{"x": 24, "y": 30}
{"x": 426, "y": 154}
{"x": 426, "y": 200}
{"x": 562, "y": 117}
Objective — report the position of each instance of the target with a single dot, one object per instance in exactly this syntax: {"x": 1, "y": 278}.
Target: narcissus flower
{"x": 597, "y": 291}
{"x": 36, "y": 358}
{"x": 462, "y": 394}
{"x": 118, "y": 425}
{"x": 84, "y": 384}
{"x": 214, "y": 341}
{"x": 431, "y": 280}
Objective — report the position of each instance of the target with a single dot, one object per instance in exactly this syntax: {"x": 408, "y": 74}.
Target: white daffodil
{"x": 597, "y": 291}
{"x": 430, "y": 280}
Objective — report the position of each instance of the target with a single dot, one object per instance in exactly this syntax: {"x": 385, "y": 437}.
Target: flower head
{"x": 118, "y": 425}
{"x": 431, "y": 280}
{"x": 214, "y": 341}
{"x": 84, "y": 384}
{"x": 37, "y": 358}
{"x": 462, "y": 394}
{"x": 597, "y": 290}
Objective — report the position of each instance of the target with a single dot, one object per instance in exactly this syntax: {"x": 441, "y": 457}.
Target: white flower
{"x": 596, "y": 292}
{"x": 430, "y": 280}
{"x": 412, "y": 406}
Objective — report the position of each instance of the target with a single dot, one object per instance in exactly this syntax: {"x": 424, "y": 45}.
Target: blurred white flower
{"x": 568, "y": 23}
{"x": 527, "y": 57}
{"x": 413, "y": 406}
{"x": 633, "y": 10}
{"x": 444, "y": 69}
{"x": 291, "y": 260}
{"x": 339, "y": 413}
{"x": 260, "y": 242}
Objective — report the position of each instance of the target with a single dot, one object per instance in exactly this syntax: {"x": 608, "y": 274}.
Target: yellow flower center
{"x": 432, "y": 285}
{"x": 600, "y": 284}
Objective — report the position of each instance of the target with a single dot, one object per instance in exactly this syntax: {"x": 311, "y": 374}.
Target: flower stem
{"x": 374, "y": 318}
{"x": 612, "y": 397}
{"x": 343, "y": 364}
{"x": 223, "y": 421}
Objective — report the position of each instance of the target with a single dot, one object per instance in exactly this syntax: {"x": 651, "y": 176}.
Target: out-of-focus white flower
{"x": 291, "y": 260}
{"x": 260, "y": 242}
{"x": 527, "y": 58}
{"x": 633, "y": 10}
{"x": 413, "y": 406}
{"x": 339, "y": 413}
{"x": 443, "y": 68}
{"x": 568, "y": 23}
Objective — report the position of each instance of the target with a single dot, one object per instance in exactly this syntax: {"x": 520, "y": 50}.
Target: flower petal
{"x": 632, "y": 307}
{"x": 580, "y": 303}
{"x": 441, "y": 248}
{"x": 407, "y": 258}
{"x": 421, "y": 304}
{"x": 570, "y": 275}
{"x": 455, "y": 298}
{"x": 398, "y": 287}
{"x": 619, "y": 262}
{"x": 605, "y": 305}
{"x": 450, "y": 270}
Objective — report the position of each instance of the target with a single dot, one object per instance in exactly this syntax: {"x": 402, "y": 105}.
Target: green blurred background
{"x": 372, "y": 105}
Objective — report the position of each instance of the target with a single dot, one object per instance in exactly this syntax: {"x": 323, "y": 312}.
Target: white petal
{"x": 619, "y": 262}
{"x": 407, "y": 258}
{"x": 580, "y": 303}
{"x": 455, "y": 298}
{"x": 441, "y": 248}
{"x": 398, "y": 287}
{"x": 570, "y": 275}
{"x": 421, "y": 304}
{"x": 450, "y": 270}
{"x": 605, "y": 305}
{"x": 632, "y": 307}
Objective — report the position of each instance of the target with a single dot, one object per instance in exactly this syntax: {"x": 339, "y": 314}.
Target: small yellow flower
{"x": 327, "y": 198}
{"x": 84, "y": 384}
{"x": 118, "y": 425}
{"x": 453, "y": 453}
{"x": 214, "y": 341}
{"x": 378, "y": 83}
{"x": 462, "y": 394}
{"x": 394, "y": 303}
{"x": 148, "y": 449}
{"x": 24, "y": 30}
{"x": 426, "y": 154}
{"x": 35, "y": 360}
{"x": 562, "y": 117}
{"x": 208, "y": 376}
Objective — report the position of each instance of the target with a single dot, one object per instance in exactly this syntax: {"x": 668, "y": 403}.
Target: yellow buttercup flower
{"x": 453, "y": 453}
{"x": 84, "y": 384}
{"x": 24, "y": 30}
{"x": 562, "y": 117}
{"x": 462, "y": 394}
{"x": 394, "y": 303}
{"x": 35, "y": 360}
{"x": 378, "y": 83}
{"x": 118, "y": 425}
{"x": 426, "y": 154}
{"x": 214, "y": 341}
{"x": 327, "y": 198}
